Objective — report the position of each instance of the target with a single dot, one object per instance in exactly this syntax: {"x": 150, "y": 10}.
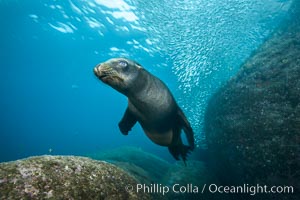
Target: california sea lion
{"x": 150, "y": 103}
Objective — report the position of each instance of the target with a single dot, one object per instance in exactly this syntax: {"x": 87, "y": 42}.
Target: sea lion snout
{"x": 96, "y": 70}
{"x": 102, "y": 70}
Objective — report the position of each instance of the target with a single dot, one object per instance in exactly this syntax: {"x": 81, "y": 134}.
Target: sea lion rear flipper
{"x": 187, "y": 129}
{"x": 127, "y": 122}
{"x": 180, "y": 150}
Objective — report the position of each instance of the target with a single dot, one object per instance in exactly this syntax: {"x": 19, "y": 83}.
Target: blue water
{"x": 51, "y": 103}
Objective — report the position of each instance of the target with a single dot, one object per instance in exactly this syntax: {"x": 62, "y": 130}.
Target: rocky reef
{"x": 252, "y": 123}
{"x": 194, "y": 174}
{"x": 73, "y": 177}
{"x": 150, "y": 170}
{"x": 65, "y": 177}
{"x": 145, "y": 167}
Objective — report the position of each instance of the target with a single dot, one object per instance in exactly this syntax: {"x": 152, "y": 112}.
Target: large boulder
{"x": 65, "y": 177}
{"x": 252, "y": 124}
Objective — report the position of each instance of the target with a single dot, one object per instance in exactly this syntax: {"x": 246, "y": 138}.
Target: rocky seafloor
{"x": 252, "y": 123}
{"x": 108, "y": 176}
{"x": 149, "y": 169}
{"x": 65, "y": 177}
{"x": 144, "y": 166}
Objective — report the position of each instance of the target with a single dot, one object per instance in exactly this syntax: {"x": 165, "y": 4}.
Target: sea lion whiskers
{"x": 107, "y": 71}
{"x": 116, "y": 77}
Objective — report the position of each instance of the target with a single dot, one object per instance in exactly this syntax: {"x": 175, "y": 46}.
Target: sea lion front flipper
{"x": 187, "y": 129}
{"x": 127, "y": 122}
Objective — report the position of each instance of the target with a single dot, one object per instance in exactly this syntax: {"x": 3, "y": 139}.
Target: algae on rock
{"x": 252, "y": 123}
{"x": 65, "y": 177}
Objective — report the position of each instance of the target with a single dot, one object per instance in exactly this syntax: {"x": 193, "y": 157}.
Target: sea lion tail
{"x": 180, "y": 150}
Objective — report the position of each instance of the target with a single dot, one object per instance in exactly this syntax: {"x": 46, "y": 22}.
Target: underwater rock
{"x": 252, "y": 124}
{"x": 144, "y": 166}
{"x": 64, "y": 177}
{"x": 137, "y": 172}
{"x": 195, "y": 174}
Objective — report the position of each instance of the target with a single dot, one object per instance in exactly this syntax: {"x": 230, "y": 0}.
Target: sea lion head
{"x": 119, "y": 73}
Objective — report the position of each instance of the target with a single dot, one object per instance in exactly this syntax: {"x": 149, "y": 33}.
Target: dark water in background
{"x": 50, "y": 98}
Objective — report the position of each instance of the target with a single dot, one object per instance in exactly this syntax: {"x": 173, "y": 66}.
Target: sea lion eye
{"x": 123, "y": 63}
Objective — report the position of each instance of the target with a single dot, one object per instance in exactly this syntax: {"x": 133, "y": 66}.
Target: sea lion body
{"x": 150, "y": 103}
